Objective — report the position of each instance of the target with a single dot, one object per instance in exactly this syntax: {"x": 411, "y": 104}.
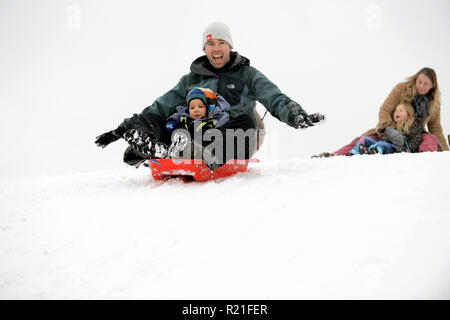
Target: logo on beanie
{"x": 208, "y": 37}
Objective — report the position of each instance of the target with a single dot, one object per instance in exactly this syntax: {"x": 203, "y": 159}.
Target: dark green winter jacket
{"x": 239, "y": 83}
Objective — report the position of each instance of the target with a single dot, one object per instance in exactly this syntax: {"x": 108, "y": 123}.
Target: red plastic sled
{"x": 197, "y": 169}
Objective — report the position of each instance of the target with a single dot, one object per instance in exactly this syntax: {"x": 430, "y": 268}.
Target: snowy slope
{"x": 367, "y": 227}
{"x": 359, "y": 227}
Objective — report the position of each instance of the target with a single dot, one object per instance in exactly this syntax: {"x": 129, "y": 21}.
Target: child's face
{"x": 197, "y": 109}
{"x": 400, "y": 113}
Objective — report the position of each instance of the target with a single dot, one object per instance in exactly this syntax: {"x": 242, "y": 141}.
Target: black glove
{"x": 108, "y": 137}
{"x": 395, "y": 136}
{"x": 306, "y": 121}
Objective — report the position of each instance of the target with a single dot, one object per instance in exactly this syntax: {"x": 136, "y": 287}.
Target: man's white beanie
{"x": 217, "y": 30}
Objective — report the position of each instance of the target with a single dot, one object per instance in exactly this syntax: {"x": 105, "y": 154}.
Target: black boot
{"x": 133, "y": 157}
{"x": 363, "y": 149}
{"x": 321, "y": 155}
{"x": 142, "y": 143}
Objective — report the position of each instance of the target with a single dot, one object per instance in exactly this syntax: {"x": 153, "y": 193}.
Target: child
{"x": 203, "y": 110}
{"x": 405, "y": 134}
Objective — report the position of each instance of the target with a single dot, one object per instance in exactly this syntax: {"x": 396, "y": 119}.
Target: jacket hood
{"x": 202, "y": 66}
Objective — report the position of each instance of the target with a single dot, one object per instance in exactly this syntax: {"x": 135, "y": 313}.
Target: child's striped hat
{"x": 208, "y": 97}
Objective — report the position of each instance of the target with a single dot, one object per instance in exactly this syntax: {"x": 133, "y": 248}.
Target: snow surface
{"x": 75, "y": 223}
{"x": 337, "y": 228}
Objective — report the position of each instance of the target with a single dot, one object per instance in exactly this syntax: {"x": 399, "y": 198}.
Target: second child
{"x": 405, "y": 134}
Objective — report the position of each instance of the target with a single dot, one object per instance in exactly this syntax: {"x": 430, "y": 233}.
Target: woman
{"x": 422, "y": 91}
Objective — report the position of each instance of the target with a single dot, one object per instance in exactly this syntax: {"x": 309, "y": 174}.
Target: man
{"x": 228, "y": 74}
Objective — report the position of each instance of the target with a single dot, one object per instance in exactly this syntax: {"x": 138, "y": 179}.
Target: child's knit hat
{"x": 206, "y": 95}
